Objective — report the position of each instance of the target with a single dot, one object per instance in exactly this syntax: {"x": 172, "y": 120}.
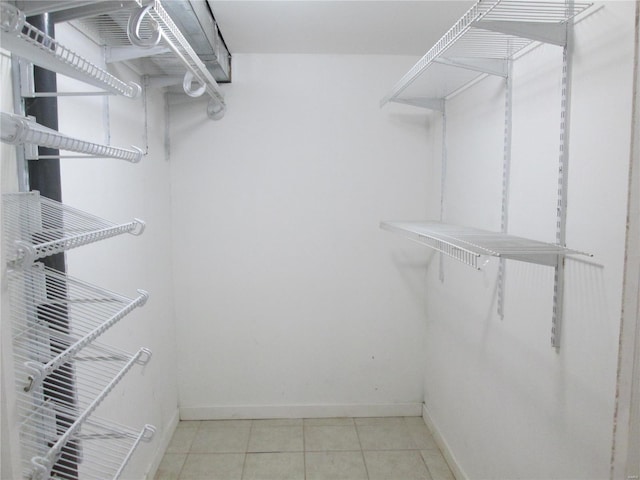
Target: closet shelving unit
{"x": 63, "y": 374}
{"x": 35, "y": 227}
{"x": 484, "y": 42}
{"x": 19, "y": 130}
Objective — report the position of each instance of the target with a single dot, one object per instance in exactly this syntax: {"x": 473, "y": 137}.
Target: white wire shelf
{"x": 481, "y": 42}
{"x": 99, "y": 450}
{"x": 74, "y": 390}
{"x": 24, "y": 40}
{"x": 197, "y": 79}
{"x": 475, "y": 247}
{"x": 41, "y": 297}
{"x": 18, "y": 130}
{"x": 35, "y": 227}
{"x": 149, "y": 36}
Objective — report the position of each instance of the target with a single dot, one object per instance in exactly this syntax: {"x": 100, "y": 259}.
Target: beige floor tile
{"x": 329, "y": 422}
{"x": 395, "y": 465}
{"x": 170, "y": 466}
{"x": 380, "y": 421}
{"x": 221, "y": 440}
{"x": 274, "y": 466}
{"x": 182, "y": 439}
{"x": 386, "y": 437}
{"x": 189, "y": 423}
{"x": 213, "y": 466}
{"x": 330, "y": 438}
{"x": 437, "y": 465}
{"x": 335, "y": 466}
{"x": 215, "y": 424}
{"x": 276, "y": 439}
{"x": 278, "y": 422}
{"x": 422, "y": 437}
{"x": 414, "y": 421}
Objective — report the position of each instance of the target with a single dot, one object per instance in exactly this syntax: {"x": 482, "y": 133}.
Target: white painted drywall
{"x": 507, "y": 404}
{"x": 119, "y": 191}
{"x": 289, "y": 299}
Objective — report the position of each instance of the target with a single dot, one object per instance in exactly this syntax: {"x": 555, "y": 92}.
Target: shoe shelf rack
{"x": 484, "y": 42}
{"x": 63, "y": 374}
{"x": 19, "y": 130}
{"x": 99, "y": 449}
{"x": 36, "y": 227}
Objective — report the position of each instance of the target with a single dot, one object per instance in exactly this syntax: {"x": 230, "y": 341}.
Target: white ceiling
{"x": 335, "y": 27}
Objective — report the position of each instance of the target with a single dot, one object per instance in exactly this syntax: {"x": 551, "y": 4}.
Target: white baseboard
{"x": 162, "y": 442}
{"x": 224, "y": 412}
{"x": 448, "y": 454}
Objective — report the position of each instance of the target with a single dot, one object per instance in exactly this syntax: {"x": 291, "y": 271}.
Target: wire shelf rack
{"x": 99, "y": 450}
{"x": 35, "y": 227}
{"x": 153, "y": 39}
{"x": 41, "y": 296}
{"x": 18, "y": 130}
{"x": 481, "y": 42}
{"x": 24, "y": 40}
{"x": 74, "y": 391}
{"x": 475, "y": 247}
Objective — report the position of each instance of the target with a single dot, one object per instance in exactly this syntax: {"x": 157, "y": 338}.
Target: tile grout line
{"x": 246, "y": 451}
{"x": 366, "y": 469}
{"x": 304, "y": 451}
{"x": 189, "y": 450}
{"x": 418, "y": 450}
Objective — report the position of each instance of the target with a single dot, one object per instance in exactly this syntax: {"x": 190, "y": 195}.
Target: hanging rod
{"x": 18, "y": 130}
{"x": 35, "y": 227}
{"x": 24, "y": 40}
{"x": 197, "y": 79}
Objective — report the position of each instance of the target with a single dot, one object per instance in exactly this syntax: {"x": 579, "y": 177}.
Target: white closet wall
{"x": 506, "y": 403}
{"x": 289, "y": 300}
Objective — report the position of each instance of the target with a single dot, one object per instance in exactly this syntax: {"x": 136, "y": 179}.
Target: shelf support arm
{"x": 554, "y": 33}
{"x": 436, "y": 104}
{"x": 492, "y": 66}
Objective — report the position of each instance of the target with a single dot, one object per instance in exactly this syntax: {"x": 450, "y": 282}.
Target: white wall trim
{"x": 448, "y": 454}
{"x": 223, "y": 412}
{"x": 162, "y": 445}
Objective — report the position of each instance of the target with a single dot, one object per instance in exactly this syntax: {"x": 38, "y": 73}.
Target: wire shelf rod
{"x": 173, "y": 38}
{"x": 18, "y": 130}
{"x": 26, "y": 41}
{"x": 91, "y": 368}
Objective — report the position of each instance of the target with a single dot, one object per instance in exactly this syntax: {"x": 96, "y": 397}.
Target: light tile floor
{"x": 390, "y": 448}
